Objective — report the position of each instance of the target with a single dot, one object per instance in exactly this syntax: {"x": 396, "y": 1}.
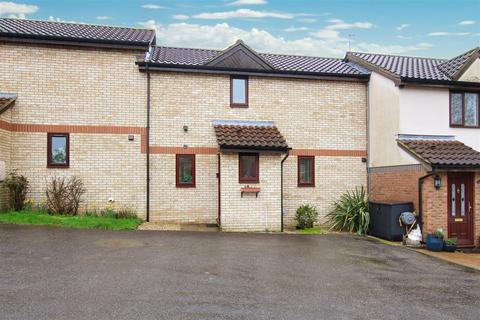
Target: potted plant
{"x": 435, "y": 240}
{"x": 450, "y": 245}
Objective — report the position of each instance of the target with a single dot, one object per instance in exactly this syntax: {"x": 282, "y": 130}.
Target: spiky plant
{"x": 350, "y": 212}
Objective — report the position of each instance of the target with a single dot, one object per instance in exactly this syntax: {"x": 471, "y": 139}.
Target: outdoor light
{"x": 437, "y": 182}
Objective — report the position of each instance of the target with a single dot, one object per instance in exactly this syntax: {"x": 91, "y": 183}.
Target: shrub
{"x": 17, "y": 186}
{"x": 350, "y": 213}
{"x": 125, "y": 213}
{"x": 64, "y": 195}
{"x": 306, "y": 216}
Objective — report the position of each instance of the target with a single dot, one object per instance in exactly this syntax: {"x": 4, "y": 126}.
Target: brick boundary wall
{"x": 395, "y": 183}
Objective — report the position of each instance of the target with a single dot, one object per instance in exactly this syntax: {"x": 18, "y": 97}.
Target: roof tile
{"x": 23, "y": 28}
{"x": 281, "y": 62}
{"x": 261, "y": 137}
{"x": 442, "y": 152}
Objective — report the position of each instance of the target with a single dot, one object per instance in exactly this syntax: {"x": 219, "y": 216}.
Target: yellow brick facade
{"x": 310, "y": 114}
{"x": 77, "y": 87}
{"x": 102, "y": 88}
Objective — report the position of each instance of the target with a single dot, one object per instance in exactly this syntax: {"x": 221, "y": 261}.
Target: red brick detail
{"x": 476, "y": 209}
{"x": 4, "y": 125}
{"x": 396, "y": 185}
{"x": 18, "y": 127}
{"x": 328, "y": 153}
{"x": 21, "y": 127}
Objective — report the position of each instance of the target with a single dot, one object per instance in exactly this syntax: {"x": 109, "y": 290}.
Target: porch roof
{"x": 6, "y": 101}
{"x": 249, "y": 135}
{"x": 442, "y": 153}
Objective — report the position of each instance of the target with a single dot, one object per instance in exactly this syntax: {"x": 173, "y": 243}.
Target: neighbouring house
{"x": 235, "y": 137}
{"x": 424, "y": 138}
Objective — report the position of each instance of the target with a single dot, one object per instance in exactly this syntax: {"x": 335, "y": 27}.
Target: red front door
{"x": 460, "y": 208}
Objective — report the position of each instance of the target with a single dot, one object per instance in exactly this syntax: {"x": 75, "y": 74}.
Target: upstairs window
{"x": 58, "y": 150}
{"x": 185, "y": 170}
{"x": 464, "y": 109}
{"x": 239, "y": 91}
{"x": 306, "y": 171}
{"x": 248, "y": 167}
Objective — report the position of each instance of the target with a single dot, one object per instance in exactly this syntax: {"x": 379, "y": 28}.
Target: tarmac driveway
{"x": 50, "y": 273}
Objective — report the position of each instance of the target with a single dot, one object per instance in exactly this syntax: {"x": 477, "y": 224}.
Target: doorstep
{"x": 169, "y": 226}
{"x": 469, "y": 260}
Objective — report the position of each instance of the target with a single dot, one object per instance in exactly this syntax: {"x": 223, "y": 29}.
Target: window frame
{"x": 462, "y": 125}
{"x": 312, "y": 167}
{"x": 50, "y": 163}
{"x": 238, "y": 105}
{"x": 257, "y": 168}
{"x": 178, "y": 183}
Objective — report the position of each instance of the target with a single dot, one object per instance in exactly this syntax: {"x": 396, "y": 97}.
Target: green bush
{"x": 350, "y": 212}
{"x": 17, "y": 186}
{"x": 306, "y": 216}
{"x": 125, "y": 213}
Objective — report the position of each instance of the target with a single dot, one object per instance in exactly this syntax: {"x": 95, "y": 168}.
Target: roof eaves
{"x": 5, "y": 36}
{"x": 373, "y": 67}
{"x": 202, "y": 68}
{"x": 412, "y": 152}
{"x": 473, "y": 57}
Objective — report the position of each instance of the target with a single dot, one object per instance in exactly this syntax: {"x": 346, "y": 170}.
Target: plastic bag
{"x": 414, "y": 237}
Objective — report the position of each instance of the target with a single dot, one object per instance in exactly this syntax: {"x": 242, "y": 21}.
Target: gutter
{"x": 266, "y": 73}
{"x": 281, "y": 190}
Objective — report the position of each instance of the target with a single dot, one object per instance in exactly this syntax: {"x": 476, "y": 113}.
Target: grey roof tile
{"x": 417, "y": 68}
{"x": 442, "y": 152}
{"x": 23, "y": 28}
{"x": 280, "y": 62}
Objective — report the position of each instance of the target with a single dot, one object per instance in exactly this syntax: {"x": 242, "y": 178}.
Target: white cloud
{"x": 16, "y": 10}
{"x": 245, "y": 13}
{"x": 337, "y": 24}
{"x": 295, "y": 29}
{"x": 219, "y": 36}
{"x": 152, "y": 6}
{"x": 180, "y": 17}
{"x": 402, "y": 26}
{"x": 103, "y": 18}
{"x": 442, "y": 33}
{"x": 327, "y": 34}
{"x": 399, "y": 36}
{"x": 53, "y": 19}
{"x": 466, "y": 22}
{"x": 247, "y": 2}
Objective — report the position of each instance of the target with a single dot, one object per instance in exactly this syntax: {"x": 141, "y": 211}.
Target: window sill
{"x": 249, "y": 190}
{"x": 51, "y": 166}
{"x": 306, "y": 185}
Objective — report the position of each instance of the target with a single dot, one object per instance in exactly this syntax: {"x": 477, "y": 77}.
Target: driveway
{"x": 50, "y": 273}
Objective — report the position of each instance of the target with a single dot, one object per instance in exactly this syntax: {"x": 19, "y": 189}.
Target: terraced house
{"x": 234, "y": 137}
{"x": 424, "y": 124}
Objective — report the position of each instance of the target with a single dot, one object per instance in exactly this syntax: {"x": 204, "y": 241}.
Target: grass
{"x": 80, "y": 222}
{"x": 314, "y": 230}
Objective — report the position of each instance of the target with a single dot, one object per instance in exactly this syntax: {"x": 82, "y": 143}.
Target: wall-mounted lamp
{"x": 131, "y": 137}
{"x": 185, "y": 128}
{"x": 437, "y": 182}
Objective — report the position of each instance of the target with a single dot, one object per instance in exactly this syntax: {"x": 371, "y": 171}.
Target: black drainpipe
{"x": 148, "y": 139}
{"x": 219, "y": 178}
{"x": 281, "y": 189}
{"x": 420, "y": 197}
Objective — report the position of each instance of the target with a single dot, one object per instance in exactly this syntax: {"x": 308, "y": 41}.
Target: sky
{"x": 434, "y": 28}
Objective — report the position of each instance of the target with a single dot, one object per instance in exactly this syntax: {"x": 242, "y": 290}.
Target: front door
{"x": 460, "y": 208}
